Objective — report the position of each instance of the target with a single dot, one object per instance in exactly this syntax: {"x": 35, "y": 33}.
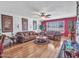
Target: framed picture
{"x": 24, "y": 24}
{"x": 34, "y": 25}
{"x": 7, "y": 23}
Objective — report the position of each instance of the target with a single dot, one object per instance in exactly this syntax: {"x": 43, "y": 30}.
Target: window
{"x": 55, "y": 26}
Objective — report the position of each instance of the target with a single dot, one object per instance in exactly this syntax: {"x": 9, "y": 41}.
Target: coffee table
{"x": 41, "y": 40}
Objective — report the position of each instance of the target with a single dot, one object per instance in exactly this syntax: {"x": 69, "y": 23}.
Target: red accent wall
{"x": 66, "y": 32}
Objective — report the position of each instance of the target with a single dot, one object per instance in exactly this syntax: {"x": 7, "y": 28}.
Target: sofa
{"x": 25, "y": 36}
{"x": 53, "y": 35}
{"x": 32, "y": 35}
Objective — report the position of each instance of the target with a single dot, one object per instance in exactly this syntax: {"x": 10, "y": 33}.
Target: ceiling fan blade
{"x": 48, "y": 15}
{"x": 36, "y": 13}
{"x": 34, "y": 9}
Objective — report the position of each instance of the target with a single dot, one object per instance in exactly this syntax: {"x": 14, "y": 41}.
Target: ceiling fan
{"x": 41, "y": 13}
{"x": 45, "y": 15}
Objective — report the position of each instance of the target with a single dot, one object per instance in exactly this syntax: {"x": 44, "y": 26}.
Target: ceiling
{"x": 57, "y": 9}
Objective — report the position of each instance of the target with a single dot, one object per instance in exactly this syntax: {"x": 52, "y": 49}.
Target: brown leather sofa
{"x": 25, "y": 36}
{"x": 53, "y": 35}
{"x": 32, "y": 35}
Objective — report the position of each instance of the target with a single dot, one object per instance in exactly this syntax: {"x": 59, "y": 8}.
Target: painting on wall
{"x": 24, "y": 24}
{"x": 34, "y": 25}
{"x": 7, "y": 23}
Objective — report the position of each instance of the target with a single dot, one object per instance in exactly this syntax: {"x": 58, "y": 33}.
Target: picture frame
{"x": 24, "y": 24}
{"x": 7, "y": 23}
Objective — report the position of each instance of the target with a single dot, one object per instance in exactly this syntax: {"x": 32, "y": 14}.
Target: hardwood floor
{"x": 31, "y": 50}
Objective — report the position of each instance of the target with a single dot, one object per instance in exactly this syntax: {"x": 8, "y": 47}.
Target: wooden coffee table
{"x": 41, "y": 40}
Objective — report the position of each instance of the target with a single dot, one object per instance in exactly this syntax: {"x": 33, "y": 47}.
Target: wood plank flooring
{"x": 31, "y": 50}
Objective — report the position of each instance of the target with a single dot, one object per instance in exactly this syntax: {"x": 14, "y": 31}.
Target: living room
{"x": 38, "y": 29}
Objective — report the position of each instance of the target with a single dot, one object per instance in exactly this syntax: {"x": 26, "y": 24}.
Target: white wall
{"x": 23, "y": 9}
{"x": 17, "y": 20}
{"x": 30, "y": 25}
{"x": 38, "y": 24}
